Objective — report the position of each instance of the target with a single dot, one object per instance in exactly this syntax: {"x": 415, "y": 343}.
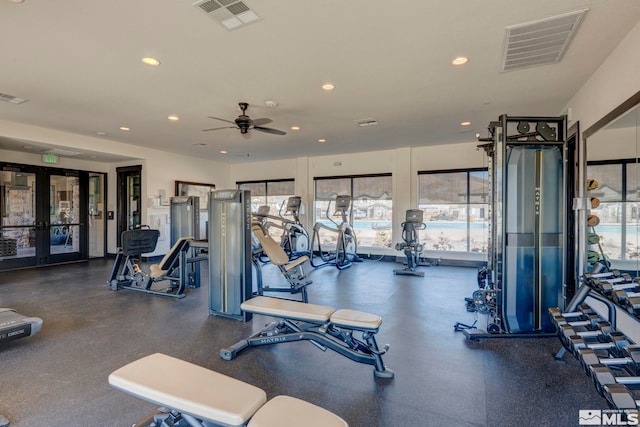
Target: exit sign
{"x": 50, "y": 158}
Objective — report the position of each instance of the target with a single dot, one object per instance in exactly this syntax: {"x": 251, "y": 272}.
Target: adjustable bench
{"x": 126, "y": 274}
{"x": 290, "y": 269}
{"x": 191, "y": 395}
{"x": 323, "y": 326}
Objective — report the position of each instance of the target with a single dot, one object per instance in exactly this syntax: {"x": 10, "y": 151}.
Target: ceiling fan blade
{"x": 223, "y": 127}
{"x": 262, "y": 121}
{"x": 218, "y": 118}
{"x": 270, "y": 130}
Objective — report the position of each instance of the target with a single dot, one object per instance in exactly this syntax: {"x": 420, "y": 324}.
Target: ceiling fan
{"x": 245, "y": 123}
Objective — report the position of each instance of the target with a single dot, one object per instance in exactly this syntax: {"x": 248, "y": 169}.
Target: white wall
{"x": 402, "y": 163}
{"x": 160, "y": 169}
{"x": 615, "y": 81}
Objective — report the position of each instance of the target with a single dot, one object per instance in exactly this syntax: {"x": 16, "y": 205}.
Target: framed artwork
{"x": 186, "y": 188}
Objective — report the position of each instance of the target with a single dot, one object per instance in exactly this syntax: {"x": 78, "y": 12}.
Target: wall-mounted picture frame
{"x": 187, "y": 188}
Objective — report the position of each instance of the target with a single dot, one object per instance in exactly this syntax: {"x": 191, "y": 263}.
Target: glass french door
{"x": 43, "y": 213}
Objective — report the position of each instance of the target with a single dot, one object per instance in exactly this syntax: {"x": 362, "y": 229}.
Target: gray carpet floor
{"x": 59, "y": 376}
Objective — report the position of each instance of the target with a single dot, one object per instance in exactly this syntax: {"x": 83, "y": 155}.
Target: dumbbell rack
{"x": 601, "y": 328}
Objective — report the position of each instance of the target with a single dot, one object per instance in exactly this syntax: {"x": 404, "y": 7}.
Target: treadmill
{"x": 14, "y": 326}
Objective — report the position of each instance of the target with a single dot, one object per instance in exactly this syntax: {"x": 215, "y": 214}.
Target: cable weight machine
{"x": 524, "y": 276}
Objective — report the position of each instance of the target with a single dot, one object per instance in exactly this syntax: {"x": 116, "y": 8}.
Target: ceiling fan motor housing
{"x": 244, "y": 123}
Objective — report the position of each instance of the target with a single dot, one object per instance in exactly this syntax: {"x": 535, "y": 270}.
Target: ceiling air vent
{"x": 539, "y": 42}
{"x": 12, "y": 99}
{"x": 230, "y": 13}
{"x": 366, "y": 122}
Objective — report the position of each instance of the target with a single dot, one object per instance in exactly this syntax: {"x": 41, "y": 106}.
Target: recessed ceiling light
{"x": 321, "y": 140}
{"x": 173, "y": 118}
{"x": 461, "y": 60}
{"x": 150, "y": 61}
{"x": 271, "y": 104}
{"x": 295, "y": 127}
{"x": 27, "y": 147}
{"x": 16, "y": 1}
{"x": 124, "y": 128}
{"x": 223, "y": 151}
{"x": 328, "y": 86}
{"x": 465, "y": 123}
{"x": 101, "y": 133}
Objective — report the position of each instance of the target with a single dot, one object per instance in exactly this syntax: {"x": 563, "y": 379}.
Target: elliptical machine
{"x": 346, "y": 242}
{"x": 411, "y": 246}
{"x": 294, "y": 238}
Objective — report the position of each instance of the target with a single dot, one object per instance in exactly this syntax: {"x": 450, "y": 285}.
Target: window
{"x": 272, "y": 193}
{"x": 455, "y": 210}
{"x": 371, "y": 207}
{"x": 618, "y": 212}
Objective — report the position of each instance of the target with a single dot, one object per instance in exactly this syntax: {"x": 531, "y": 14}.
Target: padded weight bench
{"x": 191, "y": 395}
{"x": 126, "y": 274}
{"x": 323, "y": 326}
{"x": 290, "y": 269}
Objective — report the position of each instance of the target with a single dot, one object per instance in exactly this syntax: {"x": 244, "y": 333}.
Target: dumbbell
{"x": 582, "y": 310}
{"x": 633, "y": 304}
{"x": 622, "y": 295}
{"x": 622, "y": 282}
{"x": 630, "y": 357}
{"x": 602, "y": 275}
{"x": 592, "y": 332}
{"x": 602, "y": 375}
{"x": 619, "y": 396}
{"x": 615, "y": 342}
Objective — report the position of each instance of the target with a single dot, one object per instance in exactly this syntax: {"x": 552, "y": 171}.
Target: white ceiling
{"x": 78, "y": 62}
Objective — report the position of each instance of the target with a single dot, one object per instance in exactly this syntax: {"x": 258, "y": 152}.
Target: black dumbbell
{"x": 602, "y": 376}
{"x": 633, "y": 305}
{"x": 630, "y": 356}
{"x": 621, "y": 296}
{"x": 619, "y": 396}
{"x": 622, "y": 282}
{"x": 615, "y": 342}
{"x": 611, "y": 273}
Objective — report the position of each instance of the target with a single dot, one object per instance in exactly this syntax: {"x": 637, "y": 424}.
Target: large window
{"x": 371, "y": 207}
{"x": 619, "y": 194}
{"x": 272, "y": 193}
{"x": 455, "y": 210}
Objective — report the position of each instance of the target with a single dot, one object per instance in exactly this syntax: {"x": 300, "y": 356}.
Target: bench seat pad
{"x": 356, "y": 320}
{"x": 286, "y": 411}
{"x": 189, "y": 388}
{"x": 288, "y": 309}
